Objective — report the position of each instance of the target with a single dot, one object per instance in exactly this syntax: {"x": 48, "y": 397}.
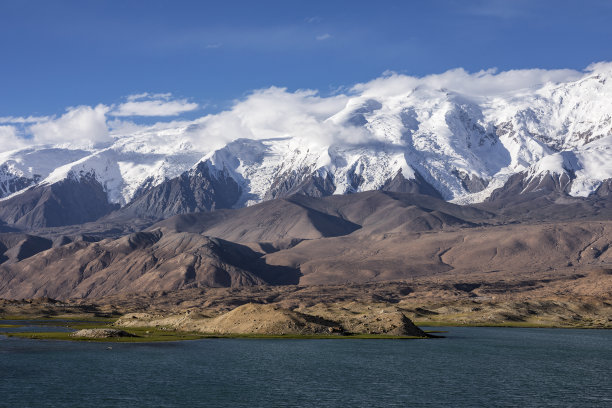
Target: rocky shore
{"x": 101, "y": 333}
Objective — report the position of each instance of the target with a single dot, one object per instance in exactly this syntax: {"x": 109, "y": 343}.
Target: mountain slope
{"x": 193, "y": 191}
{"x": 503, "y": 250}
{"x": 301, "y": 217}
{"x": 145, "y": 261}
{"x": 355, "y": 238}
{"x": 74, "y": 200}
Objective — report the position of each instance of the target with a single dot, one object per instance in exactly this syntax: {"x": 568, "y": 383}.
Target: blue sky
{"x": 57, "y": 54}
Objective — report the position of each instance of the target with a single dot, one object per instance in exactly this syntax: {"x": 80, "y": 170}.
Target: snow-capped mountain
{"x": 397, "y": 133}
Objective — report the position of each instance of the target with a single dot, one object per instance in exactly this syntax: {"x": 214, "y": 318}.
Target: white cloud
{"x": 273, "y": 113}
{"x": 486, "y": 83}
{"x": 154, "y": 108}
{"x": 147, "y": 95}
{"x": 323, "y": 37}
{"x": 313, "y": 20}
{"x": 146, "y": 104}
{"x": 9, "y": 139}
{"x": 266, "y": 113}
{"x": 276, "y": 112}
{"x": 79, "y": 126}
{"x": 23, "y": 120}
{"x": 600, "y": 67}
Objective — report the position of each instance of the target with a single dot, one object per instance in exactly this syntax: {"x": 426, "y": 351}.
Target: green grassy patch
{"x": 156, "y": 336}
{"x": 81, "y": 317}
{"x": 308, "y": 336}
{"x": 59, "y": 317}
{"x": 497, "y": 324}
{"x": 19, "y": 317}
{"x": 152, "y": 336}
{"x": 85, "y": 325}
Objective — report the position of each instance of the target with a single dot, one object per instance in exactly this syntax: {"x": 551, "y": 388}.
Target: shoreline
{"x": 162, "y": 334}
{"x": 282, "y": 312}
{"x": 154, "y": 335}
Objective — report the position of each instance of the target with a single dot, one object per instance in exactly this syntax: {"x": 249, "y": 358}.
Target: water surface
{"x": 495, "y": 367}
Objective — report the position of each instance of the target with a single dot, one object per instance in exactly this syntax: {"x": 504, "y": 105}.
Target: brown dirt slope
{"x": 359, "y": 238}
{"x": 510, "y": 249}
{"x": 140, "y": 262}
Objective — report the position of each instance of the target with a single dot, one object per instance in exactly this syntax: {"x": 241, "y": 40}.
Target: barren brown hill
{"x": 274, "y": 220}
{"x": 303, "y": 217}
{"x": 271, "y": 319}
{"x": 366, "y": 237}
{"x": 15, "y": 246}
{"x": 507, "y": 248}
{"x": 140, "y": 262}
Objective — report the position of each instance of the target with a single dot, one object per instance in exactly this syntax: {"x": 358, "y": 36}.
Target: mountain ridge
{"x": 387, "y": 135}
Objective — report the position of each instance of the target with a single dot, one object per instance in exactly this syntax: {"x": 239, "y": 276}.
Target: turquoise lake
{"x": 471, "y": 367}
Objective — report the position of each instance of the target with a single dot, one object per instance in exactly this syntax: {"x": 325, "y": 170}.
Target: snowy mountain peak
{"x": 462, "y": 134}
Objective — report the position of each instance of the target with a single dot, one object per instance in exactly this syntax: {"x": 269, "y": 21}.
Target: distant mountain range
{"x": 464, "y": 148}
{"x": 363, "y": 237}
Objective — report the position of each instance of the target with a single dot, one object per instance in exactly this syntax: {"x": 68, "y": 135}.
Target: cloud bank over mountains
{"x": 267, "y": 113}
{"x": 147, "y": 104}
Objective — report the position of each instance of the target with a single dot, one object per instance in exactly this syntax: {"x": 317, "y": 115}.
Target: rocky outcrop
{"x": 604, "y": 190}
{"x": 271, "y": 319}
{"x": 200, "y": 189}
{"x": 418, "y": 185}
{"x": 388, "y": 323}
{"x": 101, "y": 333}
{"x": 266, "y": 319}
{"x": 523, "y": 187}
{"x": 316, "y": 184}
{"x": 67, "y": 202}
{"x": 471, "y": 183}
{"x": 10, "y": 183}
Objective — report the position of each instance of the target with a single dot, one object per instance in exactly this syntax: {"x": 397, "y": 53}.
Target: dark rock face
{"x": 471, "y": 183}
{"x": 203, "y": 190}
{"x": 70, "y": 201}
{"x": 358, "y": 118}
{"x": 144, "y": 188}
{"x": 604, "y": 190}
{"x": 197, "y": 190}
{"x": 418, "y": 185}
{"x": 520, "y": 186}
{"x": 11, "y": 184}
{"x": 310, "y": 184}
